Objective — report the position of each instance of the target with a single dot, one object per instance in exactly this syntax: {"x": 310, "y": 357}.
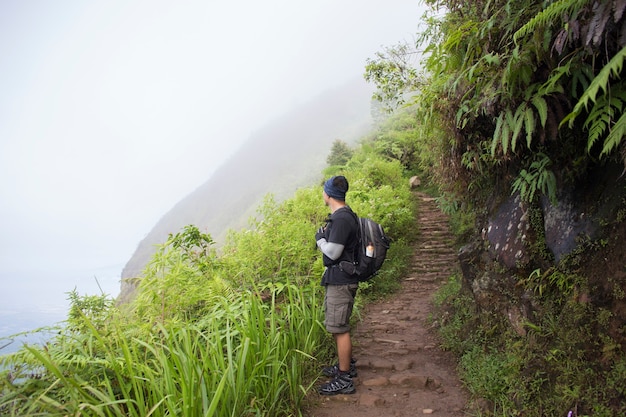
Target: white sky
{"x": 112, "y": 111}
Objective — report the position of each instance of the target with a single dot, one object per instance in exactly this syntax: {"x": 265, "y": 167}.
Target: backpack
{"x": 371, "y": 249}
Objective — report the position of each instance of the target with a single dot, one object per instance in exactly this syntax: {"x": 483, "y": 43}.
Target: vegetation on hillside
{"x": 527, "y": 97}
{"x": 233, "y": 333}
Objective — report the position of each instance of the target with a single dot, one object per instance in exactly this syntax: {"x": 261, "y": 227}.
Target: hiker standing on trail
{"x": 337, "y": 241}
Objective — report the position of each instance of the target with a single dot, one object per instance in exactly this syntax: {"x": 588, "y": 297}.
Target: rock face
{"x": 565, "y": 223}
{"x": 516, "y": 240}
{"x": 506, "y": 233}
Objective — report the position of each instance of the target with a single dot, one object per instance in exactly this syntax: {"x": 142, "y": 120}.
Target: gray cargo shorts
{"x": 338, "y": 304}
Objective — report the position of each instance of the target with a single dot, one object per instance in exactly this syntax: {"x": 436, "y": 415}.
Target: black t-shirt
{"x": 341, "y": 228}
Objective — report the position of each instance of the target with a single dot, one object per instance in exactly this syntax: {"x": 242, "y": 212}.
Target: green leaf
{"x": 497, "y": 133}
{"x": 542, "y": 109}
{"x": 492, "y": 59}
{"x": 615, "y": 136}
{"x": 518, "y": 123}
{"x": 463, "y": 109}
{"x": 549, "y": 15}
{"x": 529, "y": 125}
{"x": 600, "y": 82}
{"x": 509, "y": 122}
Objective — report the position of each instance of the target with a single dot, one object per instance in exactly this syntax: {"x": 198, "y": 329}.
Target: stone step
{"x": 433, "y": 266}
{"x": 435, "y": 255}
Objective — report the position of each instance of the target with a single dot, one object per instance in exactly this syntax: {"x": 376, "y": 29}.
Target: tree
{"x": 393, "y": 74}
{"x": 340, "y": 153}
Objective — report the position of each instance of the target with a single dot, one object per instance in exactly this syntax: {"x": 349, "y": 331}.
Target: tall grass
{"x": 245, "y": 359}
{"x": 234, "y": 334}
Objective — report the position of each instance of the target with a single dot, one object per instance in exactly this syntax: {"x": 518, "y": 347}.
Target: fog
{"x": 113, "y": 111}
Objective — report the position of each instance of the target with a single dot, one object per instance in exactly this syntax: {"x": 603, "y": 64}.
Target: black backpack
{"x": 371, "y": 249}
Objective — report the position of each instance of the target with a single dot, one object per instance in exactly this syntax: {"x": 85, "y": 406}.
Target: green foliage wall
{"x": 528, "y": 97}
{"x": 528, "y": 94}
{"x": 524, "y": 97}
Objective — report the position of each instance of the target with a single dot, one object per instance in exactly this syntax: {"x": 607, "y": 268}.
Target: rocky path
{"x": 401, "y": 370}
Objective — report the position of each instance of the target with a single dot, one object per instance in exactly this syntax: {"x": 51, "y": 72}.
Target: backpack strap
{"x": 357, "y": 241}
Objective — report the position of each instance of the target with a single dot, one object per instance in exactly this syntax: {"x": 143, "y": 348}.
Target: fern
{"x": 502, "y": 132}
{"x": 497, "y": 133}
{"x": 554, "y": 83}
{"x": 615, "y": 136}
{"x": 518, "y": 71}
{"x": 605, "y": 106}
{"x": 537, "y": 178}
{"x": 548, "y": 16}
{"x": 603, "y": 112}
{"x": 518, "y": 124}
{"x": 600, "y": 82}
{"x": 598, "y": 122}
{"x": 529, "y": 124}
{"x": 542, "y": 109}
{"x": 581, "y": 79}
{"x": 509, "y": 127}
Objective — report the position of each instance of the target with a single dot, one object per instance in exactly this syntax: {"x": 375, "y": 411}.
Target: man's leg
{"x": 338, "y": 302}
{"x": 342, "y": 380}
{"x": 344, "y": 350}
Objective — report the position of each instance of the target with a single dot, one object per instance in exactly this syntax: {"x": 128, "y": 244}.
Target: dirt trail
{"x": 401, "y": 370}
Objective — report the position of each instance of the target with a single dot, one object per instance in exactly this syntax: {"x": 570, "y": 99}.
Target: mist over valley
{"x": 279, "y": 157}
{"x": 123, "y": 121}
{"x": 285, "y": 154}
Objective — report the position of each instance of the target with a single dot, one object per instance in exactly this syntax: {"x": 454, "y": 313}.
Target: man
{"x": 338, "y": 241}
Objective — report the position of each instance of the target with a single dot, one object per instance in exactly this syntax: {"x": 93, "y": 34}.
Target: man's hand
{"x": 320, "y": 234}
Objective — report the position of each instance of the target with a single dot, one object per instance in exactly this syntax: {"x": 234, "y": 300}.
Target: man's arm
{"x": 330, "y": 249}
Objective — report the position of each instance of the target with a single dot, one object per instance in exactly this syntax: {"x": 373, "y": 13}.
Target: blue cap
{"x": 336, "y": 191}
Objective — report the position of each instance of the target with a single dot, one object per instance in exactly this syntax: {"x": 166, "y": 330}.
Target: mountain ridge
{"x": 282, "y": 156}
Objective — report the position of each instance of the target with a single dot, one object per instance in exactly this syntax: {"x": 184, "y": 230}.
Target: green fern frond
{"x": 518, "y": 124}
{"x": 491, "y": 59}
{"x": 597, "y": 127}
{"x": 509, "y": 125}
{"x": 600, "y": 82}
{"x": 529, "y": 125}
{"x": 542, "y": 109}
{"x": 615, "y": 136}
{"x": 537, "y": 178}
{"x": 581, "y": 78}
{"x": 601, "y": 115}
{"x": 518, "y": 71}
{"x": 509, "y": 122}
{"x": 497, "y": 133}
{"x": 549, "y": 16}
{"x": 456, "y": 37}
{"x": 554, "y": 83}
{"x": 460, "y": 119}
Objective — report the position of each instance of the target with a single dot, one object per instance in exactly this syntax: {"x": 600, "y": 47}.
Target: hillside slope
{"x": 282, "y": 156}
